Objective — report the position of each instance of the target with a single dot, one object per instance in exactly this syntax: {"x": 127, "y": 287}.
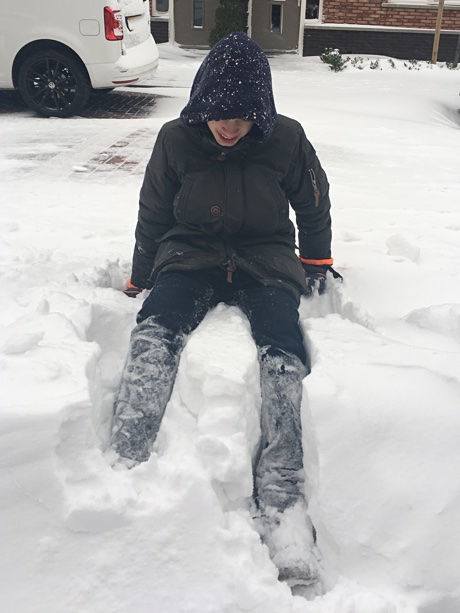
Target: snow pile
{"x": 380, "y": 410}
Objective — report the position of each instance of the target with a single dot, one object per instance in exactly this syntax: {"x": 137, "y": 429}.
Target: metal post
{"x": 171, "y": 24}
{"x": 437, "y": 34}
{"x": 302, "y": 4}
{"x": 249, "y": 26}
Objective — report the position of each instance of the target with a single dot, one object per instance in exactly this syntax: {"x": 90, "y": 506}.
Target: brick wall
{"x": 371, "y": 12}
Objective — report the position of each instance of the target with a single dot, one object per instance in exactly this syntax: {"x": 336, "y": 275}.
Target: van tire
{"x": 53, "y": 83}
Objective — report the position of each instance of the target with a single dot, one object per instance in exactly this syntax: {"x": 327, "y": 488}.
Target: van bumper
{"x": 137, "y": 62}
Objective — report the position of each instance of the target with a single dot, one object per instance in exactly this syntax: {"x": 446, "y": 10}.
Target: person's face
{"x": 228, "y": 132}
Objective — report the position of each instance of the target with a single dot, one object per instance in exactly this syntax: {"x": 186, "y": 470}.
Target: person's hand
{"x": 132, "y": 290}
{"x": 315, "y": 276}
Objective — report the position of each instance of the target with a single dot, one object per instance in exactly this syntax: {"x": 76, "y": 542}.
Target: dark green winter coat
{"x": 202, "y": 206}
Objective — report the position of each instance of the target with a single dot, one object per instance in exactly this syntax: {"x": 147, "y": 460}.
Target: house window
{"x": 160, "y": 7}
{"x": 198, "y": 10}
{"x": 312, "y": 9}
{"x": 276, "y": 18}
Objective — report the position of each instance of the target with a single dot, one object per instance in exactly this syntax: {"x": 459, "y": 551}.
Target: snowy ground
{"x": 381, "y": 410}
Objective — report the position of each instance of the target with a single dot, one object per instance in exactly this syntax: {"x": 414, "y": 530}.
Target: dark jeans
{"x": 176, "y": 305}
{"x": 180, "y": 300}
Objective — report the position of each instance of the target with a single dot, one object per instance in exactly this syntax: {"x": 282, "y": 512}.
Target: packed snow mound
{"x": 443, "y": 319}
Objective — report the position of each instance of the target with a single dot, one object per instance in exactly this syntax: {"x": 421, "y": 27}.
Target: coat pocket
{"x": 182, "y": 198}
{"x": 200, "y": 199}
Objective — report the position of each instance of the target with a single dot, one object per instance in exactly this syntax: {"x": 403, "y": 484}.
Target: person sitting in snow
{"x": 214, "y": 227}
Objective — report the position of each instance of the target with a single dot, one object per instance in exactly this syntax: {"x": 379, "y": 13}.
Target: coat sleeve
{"x": 307, "y": 188}
{"x": 156, "y": 216}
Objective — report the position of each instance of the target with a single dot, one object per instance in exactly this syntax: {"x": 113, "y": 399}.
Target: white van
{"x": 55, "y": 51}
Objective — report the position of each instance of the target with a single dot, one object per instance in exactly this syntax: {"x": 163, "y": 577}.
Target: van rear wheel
{"x": 53, "y": 84}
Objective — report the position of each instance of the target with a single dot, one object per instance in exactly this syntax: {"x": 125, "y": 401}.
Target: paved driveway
{"x": 116, "y": 104}
{"x": 76, "y": 147}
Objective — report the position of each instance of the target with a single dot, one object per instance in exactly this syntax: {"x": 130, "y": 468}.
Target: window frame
{"x": 272, "y": 5}
{"x": 320, "y": 14}
{"x": 195, "y": 27}
{"x": 161, "y": 14}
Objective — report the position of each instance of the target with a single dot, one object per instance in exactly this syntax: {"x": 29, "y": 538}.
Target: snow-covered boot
{"x": 145, "y": 389}
{"x": 290, "y": 541}
{"x": 283, "y": 520}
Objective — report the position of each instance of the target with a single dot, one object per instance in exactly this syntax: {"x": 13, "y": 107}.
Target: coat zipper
{"x": 315, "y": 186}
{"x": 229, "y": 264}
{"x": 230, "y": 270}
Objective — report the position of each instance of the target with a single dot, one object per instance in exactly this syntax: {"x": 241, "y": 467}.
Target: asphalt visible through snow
{"x": 102, "y": 105}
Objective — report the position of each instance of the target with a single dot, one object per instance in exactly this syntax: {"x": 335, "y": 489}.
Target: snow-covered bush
{"x": 334, "y": 59}
{"x": 230, "y": 17}
{"x": 337, "y": 63}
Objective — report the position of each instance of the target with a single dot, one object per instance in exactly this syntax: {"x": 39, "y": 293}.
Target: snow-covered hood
{"x": 233, "y": 82}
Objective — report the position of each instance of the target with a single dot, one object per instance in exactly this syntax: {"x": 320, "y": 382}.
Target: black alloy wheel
{"x": 53, "y": 84}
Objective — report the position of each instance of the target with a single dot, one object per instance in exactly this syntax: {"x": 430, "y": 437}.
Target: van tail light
{"x": 113, "y": 24}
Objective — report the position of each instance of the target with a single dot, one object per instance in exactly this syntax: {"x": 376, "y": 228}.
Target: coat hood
{"x": 233, "y": 82}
